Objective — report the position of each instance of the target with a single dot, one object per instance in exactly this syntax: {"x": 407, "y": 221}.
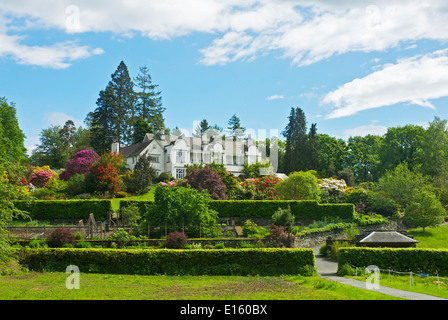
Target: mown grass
{"x": 147, "y": 196}
{"x": 436, "y": 238}
{"x": 51, "y": 286}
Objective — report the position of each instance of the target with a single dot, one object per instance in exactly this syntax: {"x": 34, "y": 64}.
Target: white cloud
{"x": 57, "y": 56}
{"x": 275, "y": 97}
{"x": 59, "y": 119}
{"x": 415, "y": 80}
{"x": 304, "y": 31}
{"x": 365, "y": 130}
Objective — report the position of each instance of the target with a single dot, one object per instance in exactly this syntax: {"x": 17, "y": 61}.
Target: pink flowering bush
{"x": 40, "y": 178}
{"x": 79, "y": 164}
{"x": 169, "y": 184}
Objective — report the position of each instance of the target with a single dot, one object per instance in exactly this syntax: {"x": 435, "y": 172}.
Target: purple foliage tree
{"x": 207, "y": 179}
{"x": 80, "y": 163}
{"x": 40, "y": 178}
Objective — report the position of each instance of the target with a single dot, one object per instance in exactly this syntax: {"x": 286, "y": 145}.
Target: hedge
{"x": 429, "y": 261}
{"x": 302, "y": 210}
{"x": 65, "y": 209}
{"x": 262, "y": 261}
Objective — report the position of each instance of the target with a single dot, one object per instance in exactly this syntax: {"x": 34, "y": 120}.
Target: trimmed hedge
{"x": 264, "y": 261}
{"x": 428, "y": 261}
{"x": 302, "y": 210}
{"x": 65, "y": 209}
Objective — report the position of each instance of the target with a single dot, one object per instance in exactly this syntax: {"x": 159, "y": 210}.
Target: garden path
{"x": 327, "y": 269}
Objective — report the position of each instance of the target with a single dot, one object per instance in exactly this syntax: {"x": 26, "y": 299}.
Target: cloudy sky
{"x": 354, "y": 67}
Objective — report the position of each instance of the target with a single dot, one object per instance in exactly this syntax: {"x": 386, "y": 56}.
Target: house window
{"x": 180, "y": 157}
{"x": 155, "y": 159}
{"x": 181, "y": 173}
{"x": 217, "y": 157}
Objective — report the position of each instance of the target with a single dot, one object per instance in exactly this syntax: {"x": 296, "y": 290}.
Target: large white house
{"x": 170, "y": 154}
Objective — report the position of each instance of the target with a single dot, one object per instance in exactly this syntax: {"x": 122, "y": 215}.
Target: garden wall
{"x": 263, "y": 261}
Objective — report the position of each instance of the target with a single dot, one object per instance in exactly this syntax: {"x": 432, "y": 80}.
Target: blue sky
{"x": 353, "y": 68}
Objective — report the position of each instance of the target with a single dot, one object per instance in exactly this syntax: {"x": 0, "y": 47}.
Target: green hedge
{"x": 428, "y": 261}
{"x": 264, "y": 261}
{"x": 65, "y": 209}
{"x": 302, "y": 210}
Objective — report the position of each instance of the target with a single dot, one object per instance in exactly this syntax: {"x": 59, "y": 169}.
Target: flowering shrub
{"x": 105, "y": 176}
{"x": 169, "y": 184}
{"x": 79, "y": 164}
{"x": 260, "y": 188}
{"x": 40, "y": 178}
{"x": 333, "y": 189}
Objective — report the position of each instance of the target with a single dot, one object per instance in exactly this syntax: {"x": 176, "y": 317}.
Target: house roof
{"x": 387, "y": 237}
{"x": 134, "y": 150}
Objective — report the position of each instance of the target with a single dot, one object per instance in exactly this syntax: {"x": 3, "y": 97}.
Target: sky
{"x": 354, "y": 67}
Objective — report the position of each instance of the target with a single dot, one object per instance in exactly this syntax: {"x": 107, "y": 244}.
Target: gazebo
{"x": 392, "y": 239}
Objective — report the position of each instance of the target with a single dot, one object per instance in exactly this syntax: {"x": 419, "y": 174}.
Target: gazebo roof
{"x": 387, "y": 237}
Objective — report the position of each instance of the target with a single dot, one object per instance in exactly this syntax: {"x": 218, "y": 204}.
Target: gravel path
{"x": 327, "y": 269}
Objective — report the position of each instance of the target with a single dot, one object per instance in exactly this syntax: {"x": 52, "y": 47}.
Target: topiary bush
{"x": 61, "y": 236}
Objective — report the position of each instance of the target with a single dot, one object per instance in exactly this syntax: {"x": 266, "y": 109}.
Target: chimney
{"x": 115, "y": 148}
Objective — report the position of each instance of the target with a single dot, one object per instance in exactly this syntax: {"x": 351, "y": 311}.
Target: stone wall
{"x": 318, "y": 238}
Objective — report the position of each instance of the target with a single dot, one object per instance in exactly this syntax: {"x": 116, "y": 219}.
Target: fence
{"x": 410, "y": 273}
{"x": 102, "y": 230}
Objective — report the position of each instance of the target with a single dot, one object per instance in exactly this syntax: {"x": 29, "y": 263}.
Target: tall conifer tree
{"x": 149, "y": 102}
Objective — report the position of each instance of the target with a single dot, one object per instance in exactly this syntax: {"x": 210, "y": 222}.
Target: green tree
{"x": 12, "y": 139}
{"x": 235, "y": 129}
{"x": 178, "y": 206}
{"x": 114, "y": 117}
{"x": 363, "y": 157}
{"x": 51, "y": 150}
{"x": 149, "y": 102}
{"x": 403, "y": 184}
{"x": 141, "y": 128}
{"x": 425, "y": 211}
{"x": 402, "y": 144}
{"x": 434, "y": 148}
{"x": 313, "y": 148}
{"x": 299, "y": 185}
{"x": 296, "y": 142}
{"x": 332, "y": 155}
{"x": 144, "y": 173}
{"x": 67, "y": 137}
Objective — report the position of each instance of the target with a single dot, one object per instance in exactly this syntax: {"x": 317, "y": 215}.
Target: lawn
{"x": 51, "y": 286}
{"x": 147, "y": 196}
{"x": 436, "y": 238}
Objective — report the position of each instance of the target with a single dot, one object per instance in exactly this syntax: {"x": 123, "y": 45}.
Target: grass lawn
{"x": 148, "y": 196}
{"x": 51, "y": 286}
{"x": 436, "y": 238}
{"x": 414, "y": 284}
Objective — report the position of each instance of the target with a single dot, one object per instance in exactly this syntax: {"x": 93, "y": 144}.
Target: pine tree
{"x": 114, "y": 117}
{"x": 149, "y": 102}
{"x": 235, "y": 128}
{"x": 296, "y": 142}
{"x": 313, "y": 155}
